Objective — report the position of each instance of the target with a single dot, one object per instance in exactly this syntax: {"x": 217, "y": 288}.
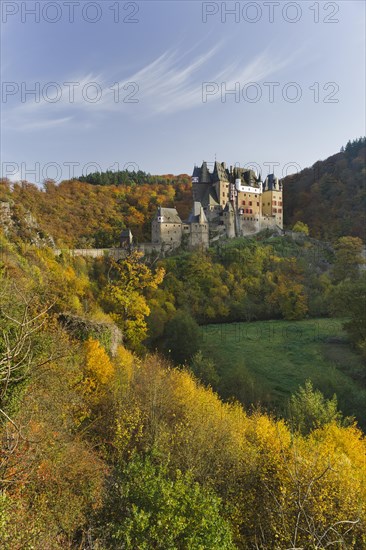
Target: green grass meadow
{"x": 264, "y": 362}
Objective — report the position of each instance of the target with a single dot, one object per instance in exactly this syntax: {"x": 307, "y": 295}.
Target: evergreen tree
{"x": 181, "y": 337}
{"x": 310, "y": 410}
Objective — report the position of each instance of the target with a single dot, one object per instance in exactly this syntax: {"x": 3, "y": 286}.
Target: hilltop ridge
{"x": 330, "y": 196}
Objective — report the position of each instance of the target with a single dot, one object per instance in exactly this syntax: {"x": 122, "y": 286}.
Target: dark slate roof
{"x": 205, "y": 176}
{"x": 196, "y": 172}
{"x": 248, "y": 177}
{"x": 219, "y": 173}
{"x": 200, "y": 191}
{"x": 210, "y": 197}
{"x": 270, "y": 182}
{"x": 170, "y": 215}
{"x": 197, "y": 215}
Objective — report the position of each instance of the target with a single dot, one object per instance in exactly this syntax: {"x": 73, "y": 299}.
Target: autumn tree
{"x": 23, "y": 354}
{"x": 98, "y": 370}
{"x": 124, "y": 298}
{"x": 287, "y": 289}
{"x": 301, "y": 227}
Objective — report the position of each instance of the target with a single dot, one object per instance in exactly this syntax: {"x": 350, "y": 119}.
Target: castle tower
{"x": 198, "y": 227}
{"x": 272, "y": 203}
{"x": 248, "y": 201}
{"x": 204, "y": 191}
{"x": 166, "y": 227}
{"x": 220, "y": 178}
{"x": 229, "y": 220}
{"x": 201, "y": 182}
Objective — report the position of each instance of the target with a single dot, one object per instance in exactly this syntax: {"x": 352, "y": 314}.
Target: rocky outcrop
{"x": 108, "y": 334}
{"x": 19, "y": 223}
{"x": 6, "y": 220}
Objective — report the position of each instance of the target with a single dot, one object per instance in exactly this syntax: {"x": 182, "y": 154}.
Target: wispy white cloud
{"x": 177, "y": 90}
{"x": 169, "y": 84}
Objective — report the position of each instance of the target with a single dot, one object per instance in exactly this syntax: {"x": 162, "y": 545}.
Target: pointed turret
{"x": 205, "y": 176}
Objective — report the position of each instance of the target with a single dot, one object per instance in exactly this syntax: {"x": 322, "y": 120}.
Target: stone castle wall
{"x": 198, "y": 236}
{"x": 169, "y": 233}
{"x": 116, "y": 253}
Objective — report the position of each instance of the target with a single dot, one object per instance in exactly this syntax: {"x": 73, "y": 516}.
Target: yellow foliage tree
{"x": 124, "y": 298}
{"x": 99, "y": 369}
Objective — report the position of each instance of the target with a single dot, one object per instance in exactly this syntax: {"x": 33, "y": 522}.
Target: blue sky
{"x": 149, "y": 81}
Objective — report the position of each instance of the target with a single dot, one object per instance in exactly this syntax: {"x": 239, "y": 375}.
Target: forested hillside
{"x": 330, "y": 197}
{"x": 104, "y": 447}
{"x": 91, "y": 211}
{"x": 86, "y": 215}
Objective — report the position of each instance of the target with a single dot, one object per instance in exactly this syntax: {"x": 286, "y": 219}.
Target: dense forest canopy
{"x": 330, "y": 197}
{"x": 130, "y": 177}
{"x": 84, "y": 215}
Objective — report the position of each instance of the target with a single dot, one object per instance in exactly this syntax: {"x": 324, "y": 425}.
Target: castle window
{"x": 250, "y": 203}
{"x": 257, "y": 203}
{"x": 243, "y": 203}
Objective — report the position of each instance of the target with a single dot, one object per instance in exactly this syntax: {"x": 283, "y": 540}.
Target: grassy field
{"x": 264, "y": 362}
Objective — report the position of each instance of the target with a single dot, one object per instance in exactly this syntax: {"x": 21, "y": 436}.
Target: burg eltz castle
{"x": 227, "y": 203}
